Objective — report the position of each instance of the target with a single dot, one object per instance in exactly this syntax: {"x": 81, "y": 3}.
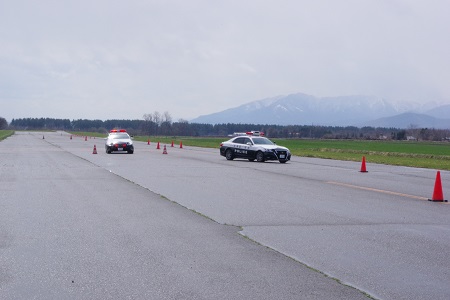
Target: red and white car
{"x": 119, "y": 140}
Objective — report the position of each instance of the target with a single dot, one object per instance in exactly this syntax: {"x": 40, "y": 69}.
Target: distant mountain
{"x": 409, "y": 120}
{"x": 442, "y": 112}
{"x": 303, "y": 109}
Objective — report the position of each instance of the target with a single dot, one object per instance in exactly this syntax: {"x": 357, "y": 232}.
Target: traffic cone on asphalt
{"x": 172, "y": 144}
{"x": 95, "y": 150}
{"x": 85, "y": 138}
{"x": 438, "y": 194}
{"x": 148, "y": 142}
{"x": 157, "y": 146}
{"x": 363, "y": 165}
{"x": 165, "y": 150}
{"x": 181, "y": 144}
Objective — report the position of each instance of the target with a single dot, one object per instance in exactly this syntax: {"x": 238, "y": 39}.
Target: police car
{"x": 254, "y": 148}
{"x": 119, "y": 140}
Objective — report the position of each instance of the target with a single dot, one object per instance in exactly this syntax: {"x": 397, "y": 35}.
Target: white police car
{"x": 119, "y": 140}
{"x": 254, "y": 148}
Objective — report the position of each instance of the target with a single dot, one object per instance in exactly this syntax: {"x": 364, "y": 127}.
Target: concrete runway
{"x": 374, "y": 231}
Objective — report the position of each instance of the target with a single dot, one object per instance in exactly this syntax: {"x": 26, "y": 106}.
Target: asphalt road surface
{"x": 74, "y": 225}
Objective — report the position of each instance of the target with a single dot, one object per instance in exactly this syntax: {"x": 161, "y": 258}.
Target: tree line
{"x": 155, "y": 124}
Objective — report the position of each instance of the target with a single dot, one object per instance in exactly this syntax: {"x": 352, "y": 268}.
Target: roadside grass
{"x": 5, "y": 133}
{"x": 432, "y": 155}
{"x": 427, "y": 148}
{"x": 387, "y": 158}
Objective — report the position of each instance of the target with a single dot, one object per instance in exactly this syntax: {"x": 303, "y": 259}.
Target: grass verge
{"x": 5, "y": 133}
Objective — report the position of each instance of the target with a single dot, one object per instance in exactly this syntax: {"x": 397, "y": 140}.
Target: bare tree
{"x": 413, "y": 131}
{"x": 166, "y": 117}
{"x": 148, "y": 117}
{"x": 157, "y": 117}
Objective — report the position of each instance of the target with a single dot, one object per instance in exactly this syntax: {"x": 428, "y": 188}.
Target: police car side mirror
{"x": 249, "y": 143}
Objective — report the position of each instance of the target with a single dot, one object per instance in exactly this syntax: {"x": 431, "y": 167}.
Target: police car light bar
{"x": 255, "y": 133}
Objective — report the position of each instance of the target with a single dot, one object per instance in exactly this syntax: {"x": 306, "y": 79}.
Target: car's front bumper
{"x": 277, "y": 155}
{"x": 117, "y": 147}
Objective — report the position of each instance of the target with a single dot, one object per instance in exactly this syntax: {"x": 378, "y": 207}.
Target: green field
{"x": 5, "y": 133}
{"x": 431, "y": 155}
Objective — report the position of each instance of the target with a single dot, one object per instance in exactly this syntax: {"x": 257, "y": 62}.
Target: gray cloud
{"x": 121, "y": 59}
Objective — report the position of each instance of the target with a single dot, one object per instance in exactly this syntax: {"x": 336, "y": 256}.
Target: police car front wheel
{"x": 260, "y": 157}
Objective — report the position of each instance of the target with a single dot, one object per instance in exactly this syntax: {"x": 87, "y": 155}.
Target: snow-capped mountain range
{"x": 303, "y": 109}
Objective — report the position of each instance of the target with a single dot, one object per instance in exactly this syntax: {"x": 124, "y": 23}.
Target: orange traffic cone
{"x": 157, "y": 146}
{"x": 165, "y": 150}
{"x": 181, "y": 144}
{"x": 363, "y": 165}
{"x": 148, "y": 142}
{"x": 172, "y": 144}
{"x": 95, "y": 150}
{"x": 438, "y": 194}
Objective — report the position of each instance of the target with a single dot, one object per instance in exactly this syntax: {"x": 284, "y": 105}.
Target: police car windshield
{"x": 120, "y": 136}
{"x": 262, "y": 141}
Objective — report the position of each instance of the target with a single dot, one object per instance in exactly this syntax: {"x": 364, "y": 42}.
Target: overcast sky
{"x": 107, "y": 59}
